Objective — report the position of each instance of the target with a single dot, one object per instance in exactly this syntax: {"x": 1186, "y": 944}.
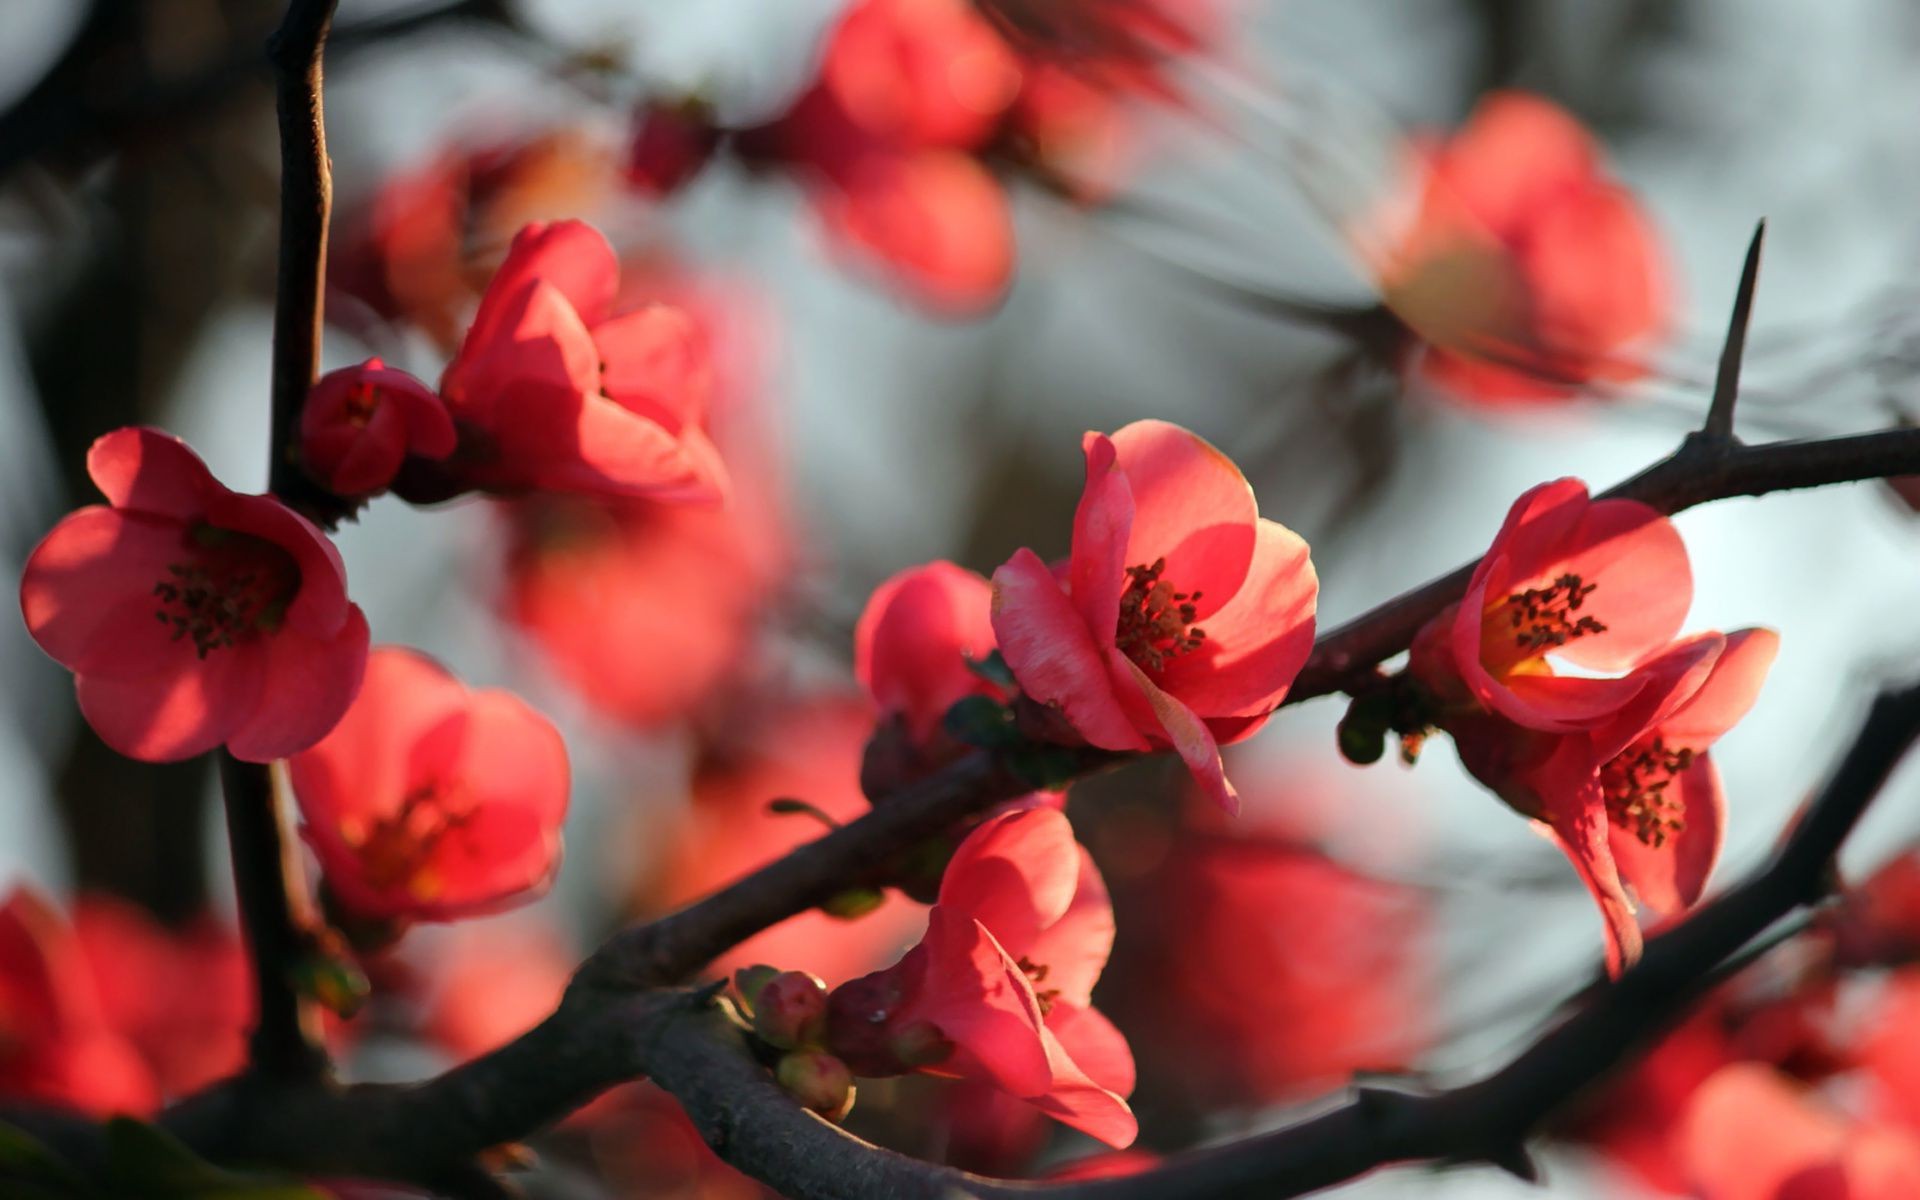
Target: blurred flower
{"x": 1527, "y": 271}
{"x": 909, "y": 91}
{"x": 1599, "y": 583}
{"x": 488, "y": 983}
{"x": 421, "y": 248}
{"x": 1111, "y": 1164}
{"x": 185, "y": 1000}
{"x": 809, "y": 750}
{"x": 647, "y": 1148}
{"x": 1878, "y": 922}
{"x": 671, "y": 142}
{"x": 553, "y": 391}
{"x": 1752, "y": 1134}
{"x": 359, "y": 423}
{"x": 1000, "y": 988}
{"x": 916, "y": 641}
{"x": 56, "y": 1043}
{"x": 191, "y": 615}
{"x": 1167, "y": 537}
{"x": 430, "y": 802}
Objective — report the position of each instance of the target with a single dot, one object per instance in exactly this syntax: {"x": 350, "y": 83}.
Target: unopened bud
{"x": 748, "y": 981}
{"x": 819, "y": 1081}
{"x": 790, "y": 1010}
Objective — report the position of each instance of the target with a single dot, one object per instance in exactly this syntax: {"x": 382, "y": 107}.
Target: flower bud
{"x": 790, "y": 1010}
{"x": 748, "y": 981}
{"x": 670, "y": 145}
{"x": 360, "y": 423}
{"x": 819, "y": 1081}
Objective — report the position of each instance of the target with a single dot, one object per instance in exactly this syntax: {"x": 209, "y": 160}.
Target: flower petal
{"x": 1098, "y": 1049}
{"x": 1016, "y": 874}
{"x": 170, "y": 715}
{"x": 571, "y": 257}
{"x": 1258, "y": 641}
{"x": 87, "y": 596}
{"x": 1075, "y": 1099}
{"x": 1578, "y": 823}
{"x": 914, "y": 639}
{"x": 359, "y": 770}
{"x": 1052, "y": 655}
{"x": 1191, "y": 506}
{"x": 308, "y": 682}
{"x": 980, "y": 1000}
{"x": 1102, "y": 522}
{"x": 1669, "y": 878}
{"x": 151, "y": 471}
{"x": 1727, "y": 693}
{"x": 1191, "y": 738}
{"x": 1075, "y": 946}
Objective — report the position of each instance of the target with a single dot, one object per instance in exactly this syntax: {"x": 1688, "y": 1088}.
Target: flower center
{"x": 231, "y": 588}
{"x": 362, "y": 400}
{"x": 1036, "y": 974}
{"x": 1635, "y": 782}
{"x": 1543, "y": 618}
{"x": 394, "y": 850}
{"x": 1156, "y": 622}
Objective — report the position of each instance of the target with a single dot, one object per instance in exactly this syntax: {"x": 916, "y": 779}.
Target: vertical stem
{"x": 266, "y": 866}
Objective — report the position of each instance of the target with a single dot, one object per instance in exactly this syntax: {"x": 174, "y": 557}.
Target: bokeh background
{"x": 1386, "y": 919}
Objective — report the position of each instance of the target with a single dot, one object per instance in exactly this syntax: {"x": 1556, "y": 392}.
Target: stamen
{"x": 1156, "y": 622}
{"x": 1542, "y": 618}
{"x": 394, "y": 850}
{"x": 1036, "y": 973}
{"x": 230, "y": 588}
{"x": 1635, "y": 785}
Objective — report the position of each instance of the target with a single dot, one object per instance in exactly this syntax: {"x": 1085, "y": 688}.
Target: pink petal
{"x": 86, "y": 593}
{"x": 541, "y": 341}
{"x": 1258, "y": 641}
{"x": 307, "y": 684}
{"x": 1052, "y": 655}
{"x": 1645, "y": 584}
{"x": 499, "y": 857}
{"x": 980, "y": 999}
{"x": 1075, "y": 1099}
{"x": 150, "y": 471}
{"x": 1561, "y": 703}
{"x": 655, "y": 361}
{"x": 1075, "y": 946}
{"x": 1578, "y": 822}
{"x": 913, "y": 640}
{"x": 1098, "y": 1049}
{"x": 571, "y": 257}
{"x": 514, "y": 757}
{"x": 320, "y": 606}
{"x": 1515, "y": 153}
{"x": 1670, "y": 679}
{"x": 1728, "y": 692}
{"x": 1748, "y": 1129}
{"x": 1102, "y": 523}
{"x": 624, "y": 453}
{"x": 1190, "y": 737}
{"x": 1669, "y": 878}
{"x": 1192, "y": 506}
{"x": 1016, "y": 875}
{"x": 170, "y": 715}
{"x": 360, "y": 769}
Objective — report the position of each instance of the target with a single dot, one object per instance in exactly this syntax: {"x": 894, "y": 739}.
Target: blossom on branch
{"x": 917, "y": 642}
{"x": 1000, "y": 987}
{"x": 191, "y": 615}
{"x": 360, "y": 423}
{"x": 1182, "y": 615}
{"x": 553, "y": 391}
{"x": 1601, "y": 584}
{"x": 1527, "y": 271}
{"x": 430, "y": 802}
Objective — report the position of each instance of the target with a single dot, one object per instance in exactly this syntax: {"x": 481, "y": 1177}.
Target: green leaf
{"x": 853, "y": 903}
{"x": 27, "y": 1164}
{"x": 984, "y": 722}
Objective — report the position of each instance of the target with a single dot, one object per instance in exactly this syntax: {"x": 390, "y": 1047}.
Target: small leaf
{"x": 982, "y": 721}
{"x": 853, "y": 903}
{"x": 28, "y": 1163}
{"x": 792, "y": 806}
{"x": 994, "y": 669}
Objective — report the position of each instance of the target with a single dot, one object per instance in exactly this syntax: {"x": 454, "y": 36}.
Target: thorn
{"x": 1726, "y": 381}
{"x": 1516, "y": 1161}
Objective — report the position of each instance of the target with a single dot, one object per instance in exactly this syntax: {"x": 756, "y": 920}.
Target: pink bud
{"x": 818, "y": 1080}
{"x": 360, "y": 423}
{"x": 670, "y": 145}
{"x": 791, "y": 1010}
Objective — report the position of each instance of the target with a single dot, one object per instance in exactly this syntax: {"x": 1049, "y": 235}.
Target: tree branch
{"x": 287, "y": 1040}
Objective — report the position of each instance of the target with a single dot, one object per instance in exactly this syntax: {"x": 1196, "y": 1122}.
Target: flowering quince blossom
{"x": 914, "y": 640}
{"x": 430, "y": 802}
{"x": 999, "y": 989}
{"x": 192, "y": 615}
{"x": 359, "y": 423}
{"x": 1750, "y": 1133}
{"x": 1601, "y": 584}
{"x": 553, "y": 391}
{"x": 1525, "y": 269}
{"x": 1182, "y": 615}
{"x": 57, "y": 1045}
{"x": 1636, "y": 802}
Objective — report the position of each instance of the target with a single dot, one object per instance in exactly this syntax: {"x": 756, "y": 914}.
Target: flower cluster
{"x": 1614, "y": 767}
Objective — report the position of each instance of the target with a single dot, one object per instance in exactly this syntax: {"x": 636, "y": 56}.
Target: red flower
{"x": 56, "y": 1044}
{"x": 1601, "y": 584}
{"x": 1000, "y": 988}
{"x": 191, "y": 615}
{"x": 1528, "y": 272}
{"x": 489, "y": 983}
{"x": 915, "y": 638}
{"x": 1183, "y": 615}
{"x": 552, "y": 391}
{"x": 671, "y": 143}
{"x": 1751, "y": 1134}
{"x": 1638, "y": 802}
{"x": 359, "y": 423}
{"x": 430, "y": 802}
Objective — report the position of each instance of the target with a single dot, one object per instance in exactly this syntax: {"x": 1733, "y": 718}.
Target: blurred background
{"x": 1212, "y": 228}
